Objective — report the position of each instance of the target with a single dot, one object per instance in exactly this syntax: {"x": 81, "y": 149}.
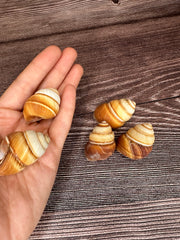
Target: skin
{"x": 23, "y": 196}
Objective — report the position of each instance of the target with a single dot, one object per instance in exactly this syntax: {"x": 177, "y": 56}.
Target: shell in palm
{"x": 115, "y": 112}
{"x": 20, "y": 149}
{"x": 137, "y": 142}
{"x": 101, "y": 144}
{"x": 44, "y": 104}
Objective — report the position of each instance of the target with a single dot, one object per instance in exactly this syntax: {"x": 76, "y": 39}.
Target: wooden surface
{"x": 128, "y": 50}
{"x": 145, "y": 220}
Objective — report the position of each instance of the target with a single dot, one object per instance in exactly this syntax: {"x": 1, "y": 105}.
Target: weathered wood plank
{"x": 138, "y": 61}
{"x": 143, "y": 220}
{"x": 27, "y": 19}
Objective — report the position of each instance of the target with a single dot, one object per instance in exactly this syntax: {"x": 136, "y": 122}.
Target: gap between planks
{"x": 140, "y": 103}
{"x": 90, "y": 28}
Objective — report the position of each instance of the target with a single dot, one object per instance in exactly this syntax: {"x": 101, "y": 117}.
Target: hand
{"x": 23, "y": 196}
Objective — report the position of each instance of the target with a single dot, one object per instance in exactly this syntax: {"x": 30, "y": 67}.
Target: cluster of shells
{"x": 21, "y": 149}
{"x": 136, "y": 143}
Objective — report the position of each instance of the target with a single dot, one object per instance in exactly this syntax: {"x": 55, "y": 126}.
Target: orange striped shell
{"x": 44, "y": 104}
{"x": 116, "y": 112}
{"x": 20, "y": 149}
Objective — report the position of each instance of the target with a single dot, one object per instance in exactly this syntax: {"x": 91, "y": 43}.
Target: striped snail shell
{"x": 137, "y": 142}
{"x": 20, "y": 149}
{"x": 44, "y": 104}
{"x": 115, "y": 112}
{"x": 101, "y": 142}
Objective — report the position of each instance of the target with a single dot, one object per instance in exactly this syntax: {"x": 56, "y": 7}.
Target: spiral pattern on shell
{"x": 137, "y": 142}
{"x": 116, "y": 112}
{"x": 20, "y": 149}
{"x": 44, "y": 104}
{"x": 101, "y": 144}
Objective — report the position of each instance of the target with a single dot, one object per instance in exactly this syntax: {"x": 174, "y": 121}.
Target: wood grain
{"x": 29, "y": 19}
{"x": 143, "y": 220}
{"x": 119, "y": 61}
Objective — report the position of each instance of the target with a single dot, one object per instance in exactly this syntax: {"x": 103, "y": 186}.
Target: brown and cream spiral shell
{"x": 137, "y": 142}
{"x": 101, "y": 144}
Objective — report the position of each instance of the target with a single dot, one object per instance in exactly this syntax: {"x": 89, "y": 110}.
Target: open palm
{"x": 23, "y": 196}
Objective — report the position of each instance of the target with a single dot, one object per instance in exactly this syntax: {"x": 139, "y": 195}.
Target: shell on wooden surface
{"x": 20, "y": 149}
{"x": 116, "y": 112}
{"x": 137, "y": 142}
{"x": 101, "y": 144}
{"x": 44, "y": 104}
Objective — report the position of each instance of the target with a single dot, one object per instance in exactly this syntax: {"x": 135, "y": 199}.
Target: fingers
{"x": 72, "y": 78}
{"x": 62, "y": 123}
{"x": 28, "y": 81}
{"x": 61, "y": 69}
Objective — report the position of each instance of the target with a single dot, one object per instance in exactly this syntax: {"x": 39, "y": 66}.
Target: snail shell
{"x": 137, "y": 142}
{"x": 44, "y": 104}
{"x": 101, "y": 142}
{"x": 116, "y": 112}
{"x": 20, "y": 149}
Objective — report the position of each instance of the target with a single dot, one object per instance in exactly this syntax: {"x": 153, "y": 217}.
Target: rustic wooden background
{"x": 129, "y": 49}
